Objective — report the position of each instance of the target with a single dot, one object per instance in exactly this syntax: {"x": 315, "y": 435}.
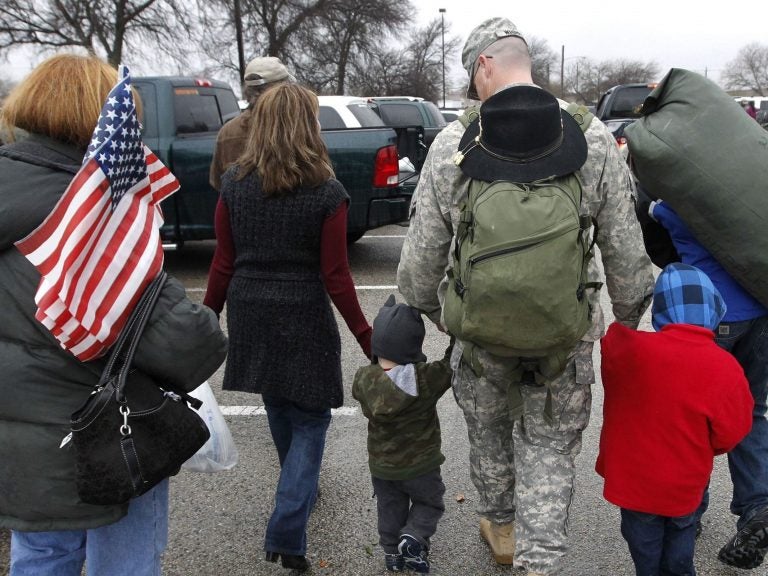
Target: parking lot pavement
{"x": 218, "y": 520}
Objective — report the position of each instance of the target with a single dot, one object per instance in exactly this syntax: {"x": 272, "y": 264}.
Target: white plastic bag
{"x": 219, "y": 452}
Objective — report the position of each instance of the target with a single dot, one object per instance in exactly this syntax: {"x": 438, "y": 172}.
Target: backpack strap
{"x": 581, "y": 114}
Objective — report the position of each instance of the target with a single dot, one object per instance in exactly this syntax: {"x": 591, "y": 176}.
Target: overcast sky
{"x": 673, "y": 33}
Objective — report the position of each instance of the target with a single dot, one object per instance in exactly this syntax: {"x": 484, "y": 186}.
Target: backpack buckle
{"x": 459, "y": 288}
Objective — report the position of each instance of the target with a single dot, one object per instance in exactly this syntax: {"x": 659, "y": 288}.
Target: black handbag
{"x": 129, "y": 438}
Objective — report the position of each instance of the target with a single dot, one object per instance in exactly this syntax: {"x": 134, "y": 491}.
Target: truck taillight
{"x": 203, "y": 82}
{"x": 386, "y": 170}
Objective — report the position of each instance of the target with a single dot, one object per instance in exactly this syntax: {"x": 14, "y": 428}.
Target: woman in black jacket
{"x": 42, "y": 384}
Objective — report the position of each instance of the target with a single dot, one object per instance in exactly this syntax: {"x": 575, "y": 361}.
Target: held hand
{"x": 364, "y": 339}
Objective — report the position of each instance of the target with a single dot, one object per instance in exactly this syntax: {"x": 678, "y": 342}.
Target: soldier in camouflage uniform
{"x": 398, "y": 394}
{"x": 521, "y": 462}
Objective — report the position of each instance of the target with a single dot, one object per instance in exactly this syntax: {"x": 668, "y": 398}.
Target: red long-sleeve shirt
{"x": 334, "y": 270}
{"x": 673, "y": 400}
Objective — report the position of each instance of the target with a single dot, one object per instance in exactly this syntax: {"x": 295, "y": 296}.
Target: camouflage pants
{"x": 521, "y": 461}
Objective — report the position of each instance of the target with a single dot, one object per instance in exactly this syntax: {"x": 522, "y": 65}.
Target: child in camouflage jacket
{"x": 398, "y": 394}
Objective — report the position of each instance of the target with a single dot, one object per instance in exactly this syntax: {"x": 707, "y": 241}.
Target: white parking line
{"x": 383, "y": 287}
{"x": 260, "y": 411}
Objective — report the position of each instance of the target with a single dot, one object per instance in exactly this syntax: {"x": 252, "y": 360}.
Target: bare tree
{"x": 379, "y": 74}
{"x": 749, "y": 69}
{"x": 585, "y": 80}
{"x": 350, "y": 30}
{"x": 414, "y": 70}
{"x": 103, "y": 27}
{"x": 543, "y": 61}
{"x": 269, "y": 29}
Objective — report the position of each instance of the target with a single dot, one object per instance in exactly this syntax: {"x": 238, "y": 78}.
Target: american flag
{"x": 100, "y": 246}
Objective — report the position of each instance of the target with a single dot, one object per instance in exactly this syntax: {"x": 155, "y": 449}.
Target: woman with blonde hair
{"x": 281, "y": 251}
{"x": 54, "y": 533}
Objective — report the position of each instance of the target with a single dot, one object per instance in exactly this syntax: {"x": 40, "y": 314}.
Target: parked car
{"x": 622, "y": 101}
{"x": 413, "y": 114}
{"x": 347, "y": 112}
{"x": 619, "y": 106}
{"x": 181, "y": 119}
{"x": 355, "y": 112}
{"x": 617, "y": 129}
{"x": 398, "y": 111}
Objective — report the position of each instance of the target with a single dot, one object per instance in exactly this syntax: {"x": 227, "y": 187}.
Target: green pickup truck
{"x": 181, "y": 117}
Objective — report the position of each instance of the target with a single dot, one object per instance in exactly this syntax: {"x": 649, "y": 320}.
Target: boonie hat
{"x": 484, "y": 34}
{"x": 523, "y": 135}
{"x": 398, "y": 333}
{"x": 264, "y": 70}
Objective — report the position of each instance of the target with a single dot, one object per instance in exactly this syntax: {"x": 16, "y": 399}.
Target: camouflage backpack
{"x": 518, "y": 283}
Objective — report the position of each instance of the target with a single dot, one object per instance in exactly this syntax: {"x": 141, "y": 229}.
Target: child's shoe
{"x": 394, "y": 562}
{"x": 414, "y": 554}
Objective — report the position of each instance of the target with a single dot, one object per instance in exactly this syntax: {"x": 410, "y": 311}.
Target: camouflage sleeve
{"x": 609, "y": 195}
{"x": 426, "y": 250}
{"x": 439, "y": 376}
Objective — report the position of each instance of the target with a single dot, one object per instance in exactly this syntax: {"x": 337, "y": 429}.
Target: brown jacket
{"x": 229, "y": 145}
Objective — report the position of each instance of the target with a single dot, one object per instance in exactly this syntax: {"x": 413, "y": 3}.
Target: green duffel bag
{"x": 697, "y": 149}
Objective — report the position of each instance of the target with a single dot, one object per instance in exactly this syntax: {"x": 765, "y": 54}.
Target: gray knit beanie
{"x": 398, "y": 333}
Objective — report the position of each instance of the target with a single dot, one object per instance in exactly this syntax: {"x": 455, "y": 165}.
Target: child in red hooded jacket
{"x": 673, "y": 400}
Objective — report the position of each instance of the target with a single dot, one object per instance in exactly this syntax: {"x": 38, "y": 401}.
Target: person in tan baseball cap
{"x": 261, "y": 74}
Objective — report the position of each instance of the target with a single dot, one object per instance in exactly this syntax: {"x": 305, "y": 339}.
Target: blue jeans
{"x": 299, "y": 437}
{"x": 748, "y": 462}
{"x": 659, "y": 545}
{"x": 132, "y": 546}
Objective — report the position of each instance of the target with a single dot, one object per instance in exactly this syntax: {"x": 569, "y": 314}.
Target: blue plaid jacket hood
{"x": 685, "y": 295}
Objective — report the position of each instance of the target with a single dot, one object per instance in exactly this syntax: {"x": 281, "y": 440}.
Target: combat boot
{"x": 500, "y": 538}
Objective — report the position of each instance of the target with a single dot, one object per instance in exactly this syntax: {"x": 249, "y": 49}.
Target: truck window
{"x": 437, "y": 117}
{"x": 195, "y": 112}
{"x": 148, "y": 109}
{"x": 400, "y": 114}
{"x": 227, "y": 104}
{"x": 365, "y": 115}
{"x": 330, "y": 119}
{"x": 629, "y": 100}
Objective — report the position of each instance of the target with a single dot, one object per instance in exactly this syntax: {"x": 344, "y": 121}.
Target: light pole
{"x": 239, "y": 38}
{"x": 442, "y": 27}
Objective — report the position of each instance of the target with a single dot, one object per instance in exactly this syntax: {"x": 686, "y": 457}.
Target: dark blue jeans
{"x": 659, "y": 545}
{"x": 748, "y": 462}
{"x": 299, "y": 436}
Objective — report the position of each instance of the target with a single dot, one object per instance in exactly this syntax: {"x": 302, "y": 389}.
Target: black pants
{"x": 408, "y": 507}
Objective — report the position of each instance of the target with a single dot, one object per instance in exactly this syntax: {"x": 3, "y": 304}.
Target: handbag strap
{"x": 125, "y": 347}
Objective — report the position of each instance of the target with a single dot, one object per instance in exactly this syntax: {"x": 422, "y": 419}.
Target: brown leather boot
{"x": 501, "y": 539}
